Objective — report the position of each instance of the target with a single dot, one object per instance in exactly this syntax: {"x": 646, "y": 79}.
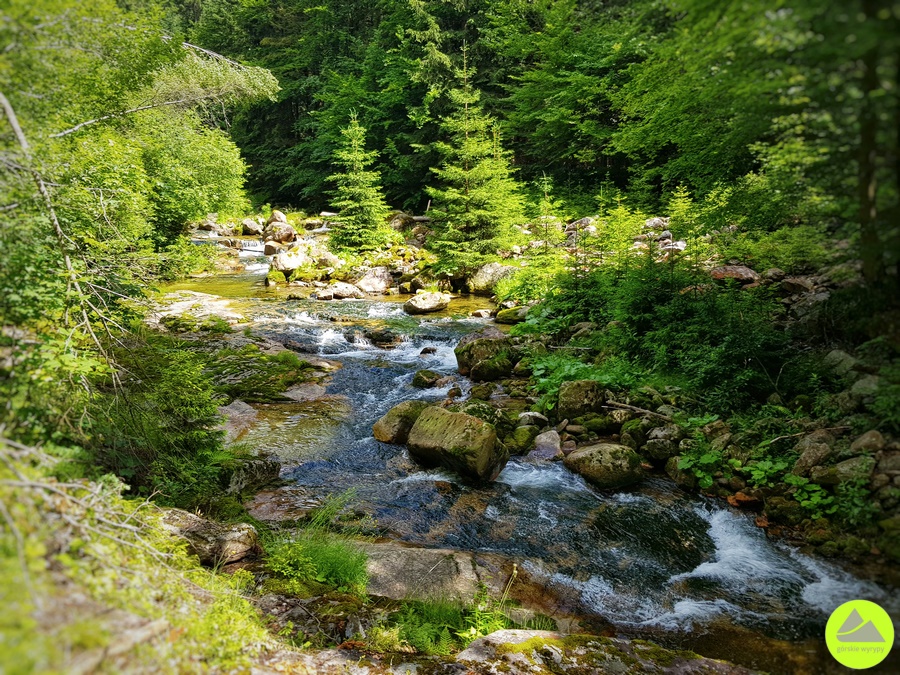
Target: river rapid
{"x": 651, "y": 562}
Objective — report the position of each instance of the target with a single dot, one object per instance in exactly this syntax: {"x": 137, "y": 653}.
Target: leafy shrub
{"x": 794, "y": 249}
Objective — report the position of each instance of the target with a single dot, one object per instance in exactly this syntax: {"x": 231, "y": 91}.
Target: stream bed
{"x": 652, "y": 562}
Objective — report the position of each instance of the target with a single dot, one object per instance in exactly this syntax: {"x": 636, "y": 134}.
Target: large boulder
{"x": 606, "y": 465}
{"x": 213, "y": 543}
{"x": 486, "y": 278}
{"x": 457, "y": 441}
{"x": 739, "y": 273}
{"x": 512, "y": 315}
{"x": 547, "y": 447}
{"x": 340, "y": 290}
{"x": 276, "y": 217}
{"x": 288, "y": 261}
{"x": 486, "y": 345}
{"x": 376, "y": 281}
{"x": 251, "y": 227}
{"x": 425, "y": 303}
{"x": 815, "y": 449}
{"x": 280, "y": 232}
{"x": 579, "y": 398}
{"x": 394, "y": 427}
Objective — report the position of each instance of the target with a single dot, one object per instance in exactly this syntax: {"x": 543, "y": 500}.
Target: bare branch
{"x": 111, "y": 116}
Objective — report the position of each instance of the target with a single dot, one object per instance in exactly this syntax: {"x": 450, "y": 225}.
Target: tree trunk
{"x": 870, "y": 244}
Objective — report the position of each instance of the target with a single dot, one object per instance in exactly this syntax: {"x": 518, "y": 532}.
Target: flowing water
{"x": 653, "y": 561}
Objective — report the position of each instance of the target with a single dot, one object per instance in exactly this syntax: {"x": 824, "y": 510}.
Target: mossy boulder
{"x": 394, "y": 427}
{"x": 511, "y": 316}
{"x": 425, "y": 379}
{"x": 521, "y": 440}
{"x": 606, "y": 465}
{"x": 472, "y": 351}
{"x": 783, "y": 510}
{"x": 458, "y": 441}
{"x": 487, "y": 413}
{"x": 493, "y": 369}
{"x": 579, "y": 398}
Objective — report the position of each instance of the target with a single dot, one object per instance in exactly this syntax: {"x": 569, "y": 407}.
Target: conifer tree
{"x": 360, "y": 225}
{"x": 478, "y": 201}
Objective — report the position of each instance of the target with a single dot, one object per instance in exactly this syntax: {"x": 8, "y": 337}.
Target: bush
{"x": 794, "y": 249}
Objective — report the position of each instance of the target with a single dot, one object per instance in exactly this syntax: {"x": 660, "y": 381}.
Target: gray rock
{"x": 739, "y": 273}
{"x": 341, "y": 290}
{"x": 481, "y": 314}
{"x": 527, "y": 652}
{"x": 251, "y": 475}
{"x": 376, "y": 281}
{"x": 288, "y": 261}
{"x": 251, "y": 227}
{"x": 239, "y": 417}
{"x": 486, "y": 278}
{"x": 854, "y": 468}
{"x": 212, "y": 543}
{"x": 795, "y": 285}
{"x": 280, "y": 232}
{"x": 533, "y": 418}
{"x": 840, "y": 362}
{"x": 427, "y": 302}
{"x": 607, "y": 465}
{"x": 547, "y": 447}
{"x": 869, "y": 443}
{"x": 276, "y": 217}
{"x": 866, "y": 386}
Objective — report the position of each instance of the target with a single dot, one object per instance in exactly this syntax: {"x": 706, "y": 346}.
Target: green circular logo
{"x": 859, "y": 634}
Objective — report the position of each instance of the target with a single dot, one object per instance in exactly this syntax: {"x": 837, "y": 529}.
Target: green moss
{"x": 181, "y": 323}
{"x": 661, "y": 656}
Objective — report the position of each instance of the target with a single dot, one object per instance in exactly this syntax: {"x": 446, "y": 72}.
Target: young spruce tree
{"x": 478, "y": 201}
{"x": 360, "y": 225}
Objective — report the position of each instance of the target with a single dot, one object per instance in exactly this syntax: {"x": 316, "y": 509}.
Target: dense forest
{"x": 687, "y": 210}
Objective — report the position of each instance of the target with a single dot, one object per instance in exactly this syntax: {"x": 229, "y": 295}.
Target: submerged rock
{"x": 394, "y": 427}
{"x": 457, "y": 441}
{"x": 425, "y": 379}
{"x": 606, "y": 465}
{"x": 425, "y": 303}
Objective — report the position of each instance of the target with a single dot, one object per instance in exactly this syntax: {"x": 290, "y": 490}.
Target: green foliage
{"x": 161, "y": 432}
{"x": 812, "y": 497}
{"x": 360, "y": 224}
{"x": 702, "y": 461}
{"x": 793, "y": 249}
{"x": 552, "y": 370}
{"x": 319, "y": 556}
{"x": 116, "y": 553}
{"x": 853, "y": 503}
{"x": 887, "y": 398}
{"x": 763, "y": 473}
{"x": 478, "y": 201}
{"x": 430, "y": 627}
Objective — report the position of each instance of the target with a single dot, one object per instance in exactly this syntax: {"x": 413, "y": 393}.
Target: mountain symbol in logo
{"x": 856, "y": 629}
